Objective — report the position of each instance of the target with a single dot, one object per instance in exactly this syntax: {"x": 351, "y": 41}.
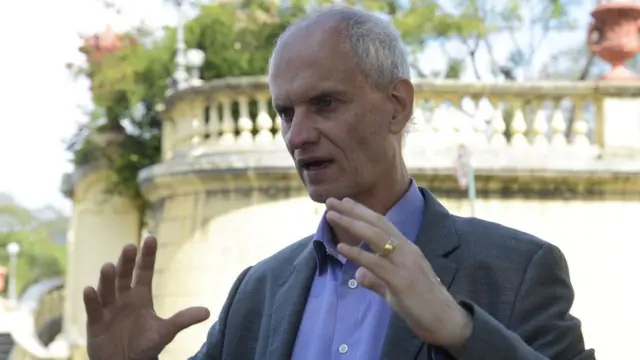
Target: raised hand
{"x": 401, "y": 274}
{"x": 121, "y": 321}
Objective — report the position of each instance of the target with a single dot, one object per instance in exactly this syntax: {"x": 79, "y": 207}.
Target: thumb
{"x": 367, "y": 279}
{"x": 186, "y": 318}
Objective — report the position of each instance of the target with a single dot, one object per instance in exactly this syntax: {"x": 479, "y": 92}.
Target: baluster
{"x": 414, "y": 135}
{"x": 245, "y": 125}
{"x": 470, "y": 129}
{"x": 479, "y": 136}
{"x": 457, "y": 119}
{"x": 198, "y": 129}
{"x": 498, "y": 126}
{"x": 168, "y": 138}
{"x": 419, "y": 125}
{"x": 518, "y": 127}
{"x": 277, "y": 122}
{"x": 227, "y": 128}
{"x": 214, "y": 127}
{"x": 441, "y": 125}
{"x": 460, "y": 121}
{"x": 438, "y": 120}
{"x": 264, "y": 123}
{"x": 558, "y": 128}
{"x": 427, "y": 126}
{"x": 540, "y": 127}
{"x": 182, "y": 126}
{"x": 580, "y": 127}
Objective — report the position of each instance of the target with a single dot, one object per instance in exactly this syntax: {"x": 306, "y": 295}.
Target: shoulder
{"x": 495, "y": 235}
{"x": 489, "y": 242}
{"x": 279, "y": 263}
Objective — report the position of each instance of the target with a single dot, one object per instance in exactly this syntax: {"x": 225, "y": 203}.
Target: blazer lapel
{"x": 289, "y": 305}
{"x": 437, "y": 239}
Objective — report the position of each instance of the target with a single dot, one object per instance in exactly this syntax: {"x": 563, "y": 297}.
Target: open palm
{"x": 121, "y": 321}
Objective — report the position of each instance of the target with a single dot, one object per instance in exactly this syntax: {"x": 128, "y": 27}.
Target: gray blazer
{"x": 516, "y": 287}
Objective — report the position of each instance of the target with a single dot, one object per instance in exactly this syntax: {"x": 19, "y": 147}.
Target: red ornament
{"x": 99, "y": 45}
{"x": 3, "y": 277}
{"x": 613, "y": 36}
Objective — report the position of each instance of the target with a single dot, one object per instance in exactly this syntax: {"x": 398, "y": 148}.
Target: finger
{"x": 186, "y": 318}
{"x": 371, "y": 235}
{"x": 353, "y": 209}
{"x": 124, "y": 269}
{"x": 367, "y": 279}
{"x": 378, "y": 266}
{"x": 143, "y": 272}
{"x": 92, "y": 306}
{"x": 107, "y": 285}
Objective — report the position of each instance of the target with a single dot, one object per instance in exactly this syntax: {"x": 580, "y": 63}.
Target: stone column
{"x": 620, "y": 127}
{"x": 101, "y": 224}
{"x": 613, "y": 36}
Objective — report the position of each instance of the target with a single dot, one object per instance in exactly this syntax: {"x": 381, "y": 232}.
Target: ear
{"x": 402, "y": 95}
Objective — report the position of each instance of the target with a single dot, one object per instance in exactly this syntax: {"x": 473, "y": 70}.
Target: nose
{"x": 300, "y": 133}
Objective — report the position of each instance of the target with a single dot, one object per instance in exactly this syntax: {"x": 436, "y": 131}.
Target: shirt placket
{"x": 346, "y": 341}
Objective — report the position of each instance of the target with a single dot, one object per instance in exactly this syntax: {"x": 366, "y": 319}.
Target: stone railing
{"x": 38, "y": 323}
{"x": 233, "y": 116}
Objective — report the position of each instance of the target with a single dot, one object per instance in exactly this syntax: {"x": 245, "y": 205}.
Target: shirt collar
{"x": 406, "y": 215}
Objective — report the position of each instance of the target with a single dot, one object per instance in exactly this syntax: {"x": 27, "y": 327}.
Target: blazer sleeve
{"x": 540, "y": 326}
{"x": 212, "y": 348}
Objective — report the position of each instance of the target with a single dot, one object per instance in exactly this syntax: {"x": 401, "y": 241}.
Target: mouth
{"x": 314, "y": 164}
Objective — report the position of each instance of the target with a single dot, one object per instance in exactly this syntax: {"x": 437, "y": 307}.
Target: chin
{"x": 320, "y": 194}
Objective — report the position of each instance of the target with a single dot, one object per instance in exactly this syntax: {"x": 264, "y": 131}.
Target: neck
{"x": 385, "y": 194}
{"x": 380, "y": 198}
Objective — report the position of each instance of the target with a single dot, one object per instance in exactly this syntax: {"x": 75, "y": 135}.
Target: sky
{"x": 40, "y": 103}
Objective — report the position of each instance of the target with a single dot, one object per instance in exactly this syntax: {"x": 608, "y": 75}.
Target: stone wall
{"x": 210, "y": 232}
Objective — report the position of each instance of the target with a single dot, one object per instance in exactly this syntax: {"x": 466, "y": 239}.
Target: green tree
{"x": 37, "y": 233}
{"x": 128, "y": 83}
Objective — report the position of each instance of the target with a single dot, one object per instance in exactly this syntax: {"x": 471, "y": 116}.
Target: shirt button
{"x": 343, "y": 349}
{"x": 352, "y": 284}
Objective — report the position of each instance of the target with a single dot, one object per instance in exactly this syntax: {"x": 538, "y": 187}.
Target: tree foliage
{"x": 238, "y": 37}
{"x": 37, "y": 233}
{"x": 127, "y": 84}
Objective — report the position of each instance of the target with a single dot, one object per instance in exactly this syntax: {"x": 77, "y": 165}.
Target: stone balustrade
{"x": 233, "y": 117}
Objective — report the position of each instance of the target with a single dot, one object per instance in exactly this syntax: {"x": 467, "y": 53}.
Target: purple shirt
{"x": 342, "y": 319}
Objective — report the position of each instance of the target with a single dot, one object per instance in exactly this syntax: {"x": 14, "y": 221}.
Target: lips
{"x": 314, "y": 163}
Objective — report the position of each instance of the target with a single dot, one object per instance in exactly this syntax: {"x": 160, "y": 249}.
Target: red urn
{"x": 613, "y": 36}
{"x": 99, "y": 45}
{"x": 3, "y": 277}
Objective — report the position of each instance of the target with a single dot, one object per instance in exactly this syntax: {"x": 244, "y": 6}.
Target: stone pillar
{"x": 613, "y": 36}
{"x": 620, "y": 127}
{"x": 101, "y": 224}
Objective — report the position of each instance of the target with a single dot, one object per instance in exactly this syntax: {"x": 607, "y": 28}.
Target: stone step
{"x": 6, "y": 343}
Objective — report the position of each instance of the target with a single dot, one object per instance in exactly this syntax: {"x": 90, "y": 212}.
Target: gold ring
{"x": 389, "y": 247}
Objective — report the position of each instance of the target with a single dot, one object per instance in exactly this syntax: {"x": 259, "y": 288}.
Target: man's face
{"x": 335, "y": 124}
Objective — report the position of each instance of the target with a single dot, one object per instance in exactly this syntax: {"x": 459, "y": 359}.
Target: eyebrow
{"x": 335, "y": 93}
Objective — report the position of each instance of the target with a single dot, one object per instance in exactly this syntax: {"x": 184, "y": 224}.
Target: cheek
{"x": 365, "y": 144}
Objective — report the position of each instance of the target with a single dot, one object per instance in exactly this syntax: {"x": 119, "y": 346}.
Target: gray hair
{"x": 376, "y": 43}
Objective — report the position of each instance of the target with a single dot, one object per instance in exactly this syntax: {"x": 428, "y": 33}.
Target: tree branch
{"x": 473, "y": 50}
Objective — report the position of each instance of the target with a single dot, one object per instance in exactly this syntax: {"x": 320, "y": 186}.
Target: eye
{"x": 324, "y": 102}
{"x": 286, "y": 114}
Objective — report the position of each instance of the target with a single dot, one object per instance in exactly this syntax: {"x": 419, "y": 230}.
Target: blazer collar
{"x": 437, "y": 240}
{"x": 290, "y": 302}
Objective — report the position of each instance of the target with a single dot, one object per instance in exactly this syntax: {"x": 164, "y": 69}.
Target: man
{"x": 416, "y": 283}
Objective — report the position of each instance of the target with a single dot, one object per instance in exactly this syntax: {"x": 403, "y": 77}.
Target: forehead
{"x": 312, "y": 59}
